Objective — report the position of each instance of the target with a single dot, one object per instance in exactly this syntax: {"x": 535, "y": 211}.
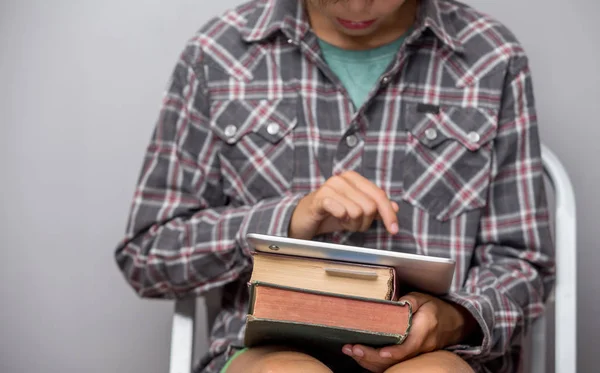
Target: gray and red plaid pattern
{"x": 254, "y": 119}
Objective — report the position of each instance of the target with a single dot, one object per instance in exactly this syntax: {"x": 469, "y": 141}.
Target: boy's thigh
{"x": 294, "y": 360}
{"x": 435, "y": 362}
{"x": 283, "y": 359}
{"x": 275, "y": 360}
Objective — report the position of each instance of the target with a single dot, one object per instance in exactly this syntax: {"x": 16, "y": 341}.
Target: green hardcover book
{"x": 281, "y": 315}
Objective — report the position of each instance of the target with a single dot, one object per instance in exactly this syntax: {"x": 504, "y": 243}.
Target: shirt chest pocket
{"x": 448, "y": 159}
{"x": 257, "y": 153}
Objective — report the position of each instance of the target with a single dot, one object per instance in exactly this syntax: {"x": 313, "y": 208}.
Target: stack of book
{"x": 307, "y": 301}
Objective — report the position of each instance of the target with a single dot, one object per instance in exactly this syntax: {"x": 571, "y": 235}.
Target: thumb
{"x": 416, "y": 300}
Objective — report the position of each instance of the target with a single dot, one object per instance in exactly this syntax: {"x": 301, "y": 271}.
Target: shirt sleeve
{"x": 183, "y": 236}
{"x": 513, "y": 268}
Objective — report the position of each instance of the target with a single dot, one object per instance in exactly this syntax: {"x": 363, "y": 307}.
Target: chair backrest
{"x": 564, "y": 298}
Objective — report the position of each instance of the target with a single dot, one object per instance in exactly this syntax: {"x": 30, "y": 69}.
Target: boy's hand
{"x": 436, "y": 325}
{"x": 346, "y": 202}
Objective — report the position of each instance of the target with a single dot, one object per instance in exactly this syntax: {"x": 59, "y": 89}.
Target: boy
{"x": 404, "y": 125}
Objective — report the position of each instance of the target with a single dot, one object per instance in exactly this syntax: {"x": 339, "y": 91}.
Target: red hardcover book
{"x": 286, "y": 315}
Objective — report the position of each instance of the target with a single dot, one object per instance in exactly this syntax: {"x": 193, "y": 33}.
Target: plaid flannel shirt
{"x": 253, "y": 119}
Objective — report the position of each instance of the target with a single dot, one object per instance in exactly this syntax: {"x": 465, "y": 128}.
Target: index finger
{"x": 385, "y": 207}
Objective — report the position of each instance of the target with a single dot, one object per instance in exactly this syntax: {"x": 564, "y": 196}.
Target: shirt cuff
{"x": 270, "y": 216}
{"x": 482, "y": 312}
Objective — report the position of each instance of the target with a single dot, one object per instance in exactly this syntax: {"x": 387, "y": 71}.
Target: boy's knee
{"x": 454, "y": 362}
{"x": 276, "y": 361}
{"x": 435, "y": 362}
{"x": 291, "y": 362}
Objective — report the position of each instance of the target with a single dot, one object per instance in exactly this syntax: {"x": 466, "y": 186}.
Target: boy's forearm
{"x": 200, "y": 252}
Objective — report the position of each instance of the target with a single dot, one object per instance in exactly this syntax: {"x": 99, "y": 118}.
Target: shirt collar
{"x": 271, "y": 16}
{"x": 433, "y": 15}
{"x": 288, "y": 16}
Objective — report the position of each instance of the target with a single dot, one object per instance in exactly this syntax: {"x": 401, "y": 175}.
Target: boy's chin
{"x": 365, "y": 33}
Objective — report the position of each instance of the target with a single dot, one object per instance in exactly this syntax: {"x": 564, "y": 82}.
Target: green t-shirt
{"x": 359, "y": 70}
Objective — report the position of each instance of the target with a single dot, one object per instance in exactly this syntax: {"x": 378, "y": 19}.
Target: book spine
{"x": 399, "y": 338}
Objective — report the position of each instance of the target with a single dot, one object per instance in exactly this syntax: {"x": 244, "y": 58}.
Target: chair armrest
{"x": 182, "y": 336}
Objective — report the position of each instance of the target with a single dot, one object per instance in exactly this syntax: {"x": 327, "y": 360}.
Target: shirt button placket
{"x": 351, "y": 141}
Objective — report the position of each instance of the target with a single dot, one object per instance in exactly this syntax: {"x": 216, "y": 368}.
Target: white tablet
{"x": 422, "y": 273}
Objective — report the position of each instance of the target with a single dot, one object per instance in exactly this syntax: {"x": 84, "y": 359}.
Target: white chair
{"x": 564, "y": 298}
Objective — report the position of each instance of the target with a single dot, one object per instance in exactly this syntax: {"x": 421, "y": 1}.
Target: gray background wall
{"x": 81, "y": 82}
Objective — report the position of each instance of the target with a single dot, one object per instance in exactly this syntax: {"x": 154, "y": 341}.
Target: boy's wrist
{"x": 466, "y": 326}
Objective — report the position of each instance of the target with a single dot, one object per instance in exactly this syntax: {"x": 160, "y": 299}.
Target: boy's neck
{"x": 397, "y": 25}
